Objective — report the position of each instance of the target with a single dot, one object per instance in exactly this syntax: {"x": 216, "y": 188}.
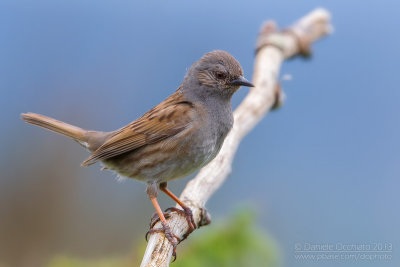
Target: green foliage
{"x": 234, "y": 242}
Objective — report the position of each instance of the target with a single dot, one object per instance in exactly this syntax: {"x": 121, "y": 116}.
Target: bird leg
{"x": 173, "y": 239}
{"x": 186, "y": 212}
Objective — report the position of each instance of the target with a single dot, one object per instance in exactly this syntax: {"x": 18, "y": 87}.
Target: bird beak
{"x": 241, "y": 81}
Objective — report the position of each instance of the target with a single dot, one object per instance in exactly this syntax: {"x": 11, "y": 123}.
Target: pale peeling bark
{"x": 273, "y": 47}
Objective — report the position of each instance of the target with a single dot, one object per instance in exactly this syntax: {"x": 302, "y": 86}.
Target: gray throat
{"x": 218, "y": 107}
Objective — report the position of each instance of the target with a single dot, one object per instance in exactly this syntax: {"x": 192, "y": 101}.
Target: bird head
{"x": 217, "y": 72}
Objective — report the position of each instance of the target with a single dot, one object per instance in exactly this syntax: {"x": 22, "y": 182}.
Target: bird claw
{"x": 187, "y": 213}
{"x": 173, "y": 239}
{"x": 155, "y": 218}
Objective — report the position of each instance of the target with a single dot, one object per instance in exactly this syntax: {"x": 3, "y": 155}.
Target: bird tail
{"x": 60, "y": 127}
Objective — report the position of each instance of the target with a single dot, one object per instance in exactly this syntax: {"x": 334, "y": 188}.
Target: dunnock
{"x": 175, "y": 138}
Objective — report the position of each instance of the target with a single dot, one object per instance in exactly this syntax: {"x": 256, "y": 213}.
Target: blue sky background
{"x": 322, "y": 169}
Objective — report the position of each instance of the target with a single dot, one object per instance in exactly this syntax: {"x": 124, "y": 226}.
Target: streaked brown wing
{"x": 167, "y": 119}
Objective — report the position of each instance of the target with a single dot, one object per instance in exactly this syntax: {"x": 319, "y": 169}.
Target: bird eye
{"x": 220, "y": 75}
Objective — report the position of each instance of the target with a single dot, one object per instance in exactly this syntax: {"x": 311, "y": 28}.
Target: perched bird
{"x": 175, "y": 138}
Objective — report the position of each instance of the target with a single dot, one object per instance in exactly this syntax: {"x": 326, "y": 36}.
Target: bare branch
{"x": 273, "y": 47}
